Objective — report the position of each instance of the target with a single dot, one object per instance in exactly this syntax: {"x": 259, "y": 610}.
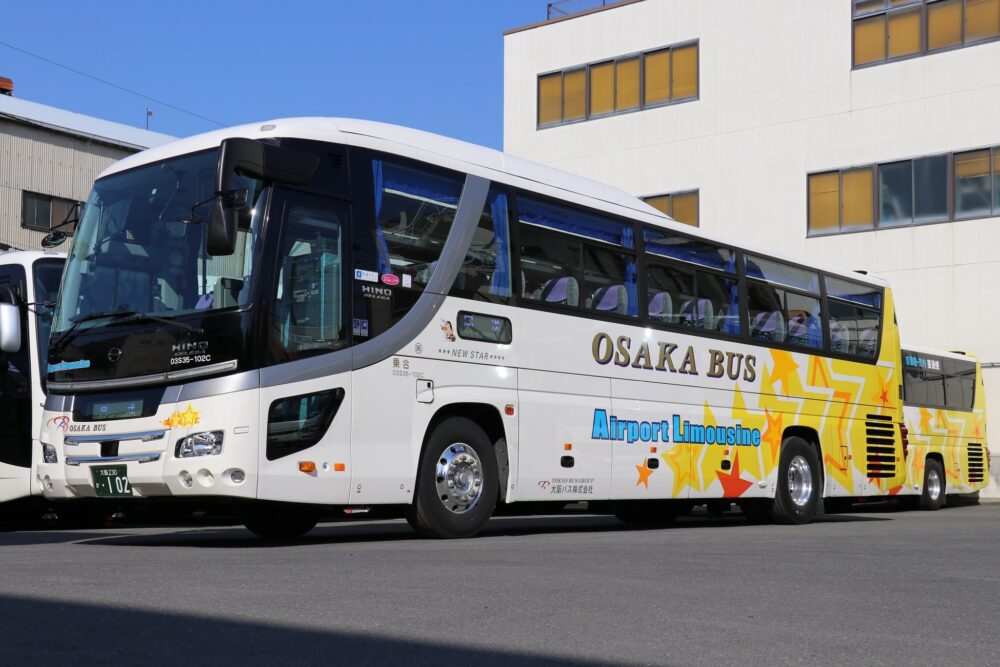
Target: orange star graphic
{"x": 977, "y": 429}
{"x": 644, "y": 472}
{"x": 817, "y": 373}
{"x": 925, "y": 420}
{"x": 732, "y": 485}
{"x": 883, "y": 393}
{"x": 188, "y": 417}
{"x": 772, "y": 433}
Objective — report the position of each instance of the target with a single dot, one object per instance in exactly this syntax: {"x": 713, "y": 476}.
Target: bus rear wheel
{"x": 278, "y": 522}
{"x": 457, "y": 481}
{"x": 932, "y": 495}
{"x": 797, "y": 496}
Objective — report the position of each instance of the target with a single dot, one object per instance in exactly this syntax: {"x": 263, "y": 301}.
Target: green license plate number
{"x": 111, "y": 481}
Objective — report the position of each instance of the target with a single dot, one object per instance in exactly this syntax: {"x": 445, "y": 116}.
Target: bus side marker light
{"x": 308, "y": 467}
{"x": 508, "y": 410}
{"x": 339, "y": 467}
{"x": 652, "y": 450}
{"x": 568, "y": 447}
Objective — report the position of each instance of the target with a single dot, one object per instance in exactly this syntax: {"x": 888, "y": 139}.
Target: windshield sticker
{"x": 390, "y": 279}
{"x": 179, "y": 418}
{"x": 360, "y": 327}
{"x": 69, "y": 366}
{"x": 407, "y": 280}
{"x": 367, "y": 276}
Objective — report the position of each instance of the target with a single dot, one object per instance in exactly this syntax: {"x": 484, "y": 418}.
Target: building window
{"x": 638, "y": 81}
{"x": 887, "y": 30}
{"x": 681, "y": 206}
{"x": 42, "y": 212}
{"x": 935, "y": 188}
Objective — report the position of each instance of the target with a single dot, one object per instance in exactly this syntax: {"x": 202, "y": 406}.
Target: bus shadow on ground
{"x": 398, "y": 531}
{"x": 94, "y": 634}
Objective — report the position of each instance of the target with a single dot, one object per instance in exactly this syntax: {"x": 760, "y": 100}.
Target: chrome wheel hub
{"x": 800, "y": 481}
{"x": 459, "y": 478}
{"x": 933, "y": 484}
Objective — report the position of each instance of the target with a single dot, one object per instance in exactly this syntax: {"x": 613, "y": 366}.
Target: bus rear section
{"x": 945, "y": 415}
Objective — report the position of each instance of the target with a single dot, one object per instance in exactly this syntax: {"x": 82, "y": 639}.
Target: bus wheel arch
{"x": 458, "y": 476}
{"x": 488, "y": 418}
{"x": 935, "y": 485}
{"x": 800, "y": 477}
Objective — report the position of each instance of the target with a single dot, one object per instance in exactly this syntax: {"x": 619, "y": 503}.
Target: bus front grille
{"x": 880, "y": 437}
{"x": 977, "y": 468}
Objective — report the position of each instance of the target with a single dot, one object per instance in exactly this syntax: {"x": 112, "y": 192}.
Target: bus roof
{"x": 28, "y": 257}
{"x": 455, "y": 154}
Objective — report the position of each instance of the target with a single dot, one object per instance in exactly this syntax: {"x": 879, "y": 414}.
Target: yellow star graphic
{"x": 679, "y": 460}
{"x": 644, "y": 472}
{"x": 784, "y": 367}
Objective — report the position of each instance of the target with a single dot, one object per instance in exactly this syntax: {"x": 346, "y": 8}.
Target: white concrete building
{"x": 49, "y": 159}
{"x": 864, "y": 134}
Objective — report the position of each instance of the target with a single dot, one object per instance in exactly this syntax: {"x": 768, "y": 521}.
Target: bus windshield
{"x": 141, "y": 246}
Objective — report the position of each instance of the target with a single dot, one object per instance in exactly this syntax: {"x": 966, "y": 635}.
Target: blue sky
{"x": 432, "y": 64}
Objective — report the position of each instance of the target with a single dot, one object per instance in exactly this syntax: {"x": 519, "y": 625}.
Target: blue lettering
{"x": 600, "y": 430}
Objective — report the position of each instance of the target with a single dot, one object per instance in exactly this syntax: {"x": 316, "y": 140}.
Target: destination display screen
{"x": 116, "y": 410}
{"x": 485, "y": 328}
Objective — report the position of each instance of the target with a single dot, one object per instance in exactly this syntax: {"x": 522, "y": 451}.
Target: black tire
{"x": 646, "y": 513}
{"x": 933, "y": 491}
{"x": 458, "y": 451}
{"x": 797, "y": 496}
{"x": 278, "y": 522}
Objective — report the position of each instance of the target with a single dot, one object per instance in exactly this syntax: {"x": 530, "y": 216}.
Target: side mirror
{"x": 10, "y": 328}
{"x": 53, "y": 239}
{"x": 249, "y": 158}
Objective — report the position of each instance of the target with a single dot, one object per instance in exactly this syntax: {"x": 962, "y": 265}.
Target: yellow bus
{"x": 945, "y": 415}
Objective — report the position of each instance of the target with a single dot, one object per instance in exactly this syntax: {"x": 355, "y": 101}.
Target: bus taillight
{"x": 905, "y": 435}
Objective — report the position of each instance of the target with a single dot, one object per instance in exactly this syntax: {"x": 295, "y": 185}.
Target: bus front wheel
{"x": 932, "y": 495}
{"x": 797, "y": 495}
{"x": 457, "y": 481}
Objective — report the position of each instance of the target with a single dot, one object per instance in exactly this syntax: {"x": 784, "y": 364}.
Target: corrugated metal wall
{"x": 49, "y": 163}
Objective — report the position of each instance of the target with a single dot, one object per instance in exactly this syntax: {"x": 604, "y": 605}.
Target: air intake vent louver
{"x": 977, "y": 467}
{"x": 880, "y": 437}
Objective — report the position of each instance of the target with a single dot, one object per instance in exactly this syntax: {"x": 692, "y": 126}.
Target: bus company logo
{"x": 390, "y": 279}
{"x": 114, "y": 354}
{"x": 366, "y": 276}
{"x": 187, "y": 349}
{"x": 615, "y": 429}
{"x": 668, "y": 357}
{"x": 61, "y": 423}
{"x": 68, "y": 366}
{"x": 376, "y": 292}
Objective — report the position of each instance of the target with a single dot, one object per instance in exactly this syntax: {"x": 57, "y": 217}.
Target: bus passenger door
{"x": 305, "y": 424}
{"x": 558, "y": 457}
{"x": 16, "y": 426}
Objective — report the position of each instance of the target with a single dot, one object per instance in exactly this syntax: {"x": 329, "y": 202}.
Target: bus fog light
{"x": 206, "y": 478}
{"x": 186, "y": 479}
{"x": 235, "y": 475}
{"x": 200, "y": 444}
{"x": 49, "y": 454}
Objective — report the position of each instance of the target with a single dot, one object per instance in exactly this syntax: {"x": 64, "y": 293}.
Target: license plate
{"x": 111, "y": 481}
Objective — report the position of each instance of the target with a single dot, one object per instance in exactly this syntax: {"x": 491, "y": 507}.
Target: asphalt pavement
{"x": 870, "y": 587}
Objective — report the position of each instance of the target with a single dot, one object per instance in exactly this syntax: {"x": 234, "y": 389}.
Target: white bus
{"x": 313, "y": 313}
{"x": 28, "y": 285}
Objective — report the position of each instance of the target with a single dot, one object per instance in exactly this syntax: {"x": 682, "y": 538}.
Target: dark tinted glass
{"x": 694, "y": 251}
{"x": 574, "y": 221}
{"x": 486, "y": 272}
{"x": 930, "y": 179}
{"x": 895, "y": 194}
{"x": 549, "y": 267}
{"x": 853, "y": 330}
{"x": 609, "y": 282}
{"x": 15, "y": 383}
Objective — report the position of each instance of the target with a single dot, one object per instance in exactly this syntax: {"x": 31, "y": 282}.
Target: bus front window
{"x": 140, "y": 247}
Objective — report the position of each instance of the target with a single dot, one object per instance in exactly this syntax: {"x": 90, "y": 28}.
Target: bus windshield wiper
{"x": 120, "y": 316}
{"x": 60, "y": 342}
{"x": 139, "y": 317}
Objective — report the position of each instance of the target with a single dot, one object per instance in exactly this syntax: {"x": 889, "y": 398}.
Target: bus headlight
{"x": 49, "y": 454}
{"x": 199, "y": 444}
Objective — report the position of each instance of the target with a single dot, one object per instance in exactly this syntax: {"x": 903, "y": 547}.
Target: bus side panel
{"x": 558, "y": 457}
{"x": 281, "y": 478}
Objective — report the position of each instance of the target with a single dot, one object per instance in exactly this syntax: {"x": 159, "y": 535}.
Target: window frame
{"x": 886, "y": 10}
{"x": 640, "y": 57}
{"x": 693, "y": 191}
{"x": 51, "y": 200}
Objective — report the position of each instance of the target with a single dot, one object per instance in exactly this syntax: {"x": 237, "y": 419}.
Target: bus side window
{"x": 486, "y": 273}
